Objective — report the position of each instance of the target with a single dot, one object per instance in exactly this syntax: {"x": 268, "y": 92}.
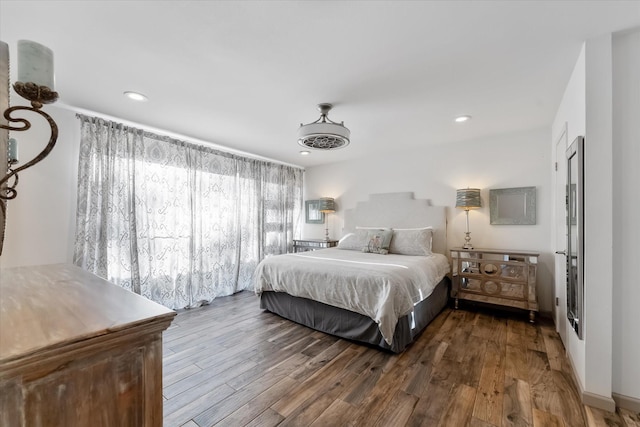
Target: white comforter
{"x": 383, "y": 287}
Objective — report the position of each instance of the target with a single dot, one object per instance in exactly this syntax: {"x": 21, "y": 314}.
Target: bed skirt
{"x": 355, "y": 326}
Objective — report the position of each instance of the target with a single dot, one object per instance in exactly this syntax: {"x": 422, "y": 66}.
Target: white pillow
{"x": 354, "y": 241}
{"x": 411, "y": 241}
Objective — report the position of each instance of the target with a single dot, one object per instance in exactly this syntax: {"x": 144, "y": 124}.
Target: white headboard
{"x": 399, "y": 210}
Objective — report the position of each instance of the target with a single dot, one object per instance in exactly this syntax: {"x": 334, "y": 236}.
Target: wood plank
{"x": 491, "y": 328}
{"x": 516, "y": 409}
{"x": 630, "y": 419}
{"x": 319, "y": 361}
{"x": 534, "y": 338}
{"x": 259, "y": 404}
{"x": 187, "y": 410}
{"x": 398, "y": 411}
{"x": 421, "y": 371}
{"x": 451, "y": 324}
{"x": 554, "y": 348}
{"x": 431, "y": 406}
{"x": 208, "y": 377}
{"x": 298, "y": 395}
{"x": 372, "y": 406}
{"x": 516, "y": 362}
{"x": 488, "y": 404}
{"x": 364, "y": 384}
{"x": 545, "y": 419}
{"x": 306, "y": 413}
{"x": 599, "y": 418}
{"x": 279, "y": 367}
{"x": 475, "y": 422}
{"x": 335, "y": 415}
{"x": 571, "y": 407}
{"x": 544, "y": 395}
{"x": 516, "y": 333}
{"x": 472, "y": 361}
{"x": 268, "y": 418}
{"x": 460, "y": 408}
{"x": 219, "y": 410}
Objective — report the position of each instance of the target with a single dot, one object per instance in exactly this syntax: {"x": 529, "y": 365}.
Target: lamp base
{"x": 467, "y": 241}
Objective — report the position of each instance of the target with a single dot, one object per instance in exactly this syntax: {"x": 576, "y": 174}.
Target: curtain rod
{"x": 173, "y": 134}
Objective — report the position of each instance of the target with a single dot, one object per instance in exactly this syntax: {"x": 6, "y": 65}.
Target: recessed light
{"x": 136, "y": 96}
{"x": 461, "y": 119}
{"x": 305, "y": 153}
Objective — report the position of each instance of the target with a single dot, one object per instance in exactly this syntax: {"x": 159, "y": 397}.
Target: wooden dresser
{"x": 76, "y": 350}
{"x": 495, "y": 276}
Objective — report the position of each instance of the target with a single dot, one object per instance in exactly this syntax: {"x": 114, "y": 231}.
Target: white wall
{"x": 602, "y": 102}
{"x": 41, "y": 220}
{"x": 598, "y": 222}
{"x": 626, "y": 203}
{"x": 435, "y": 172}
{"x": 572, "y": 111}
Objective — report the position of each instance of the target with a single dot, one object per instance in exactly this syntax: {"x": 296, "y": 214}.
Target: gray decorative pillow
{"x": 411, "y": 241}
{"x": 353, "y": 241}
{"x": 378, "y": 241}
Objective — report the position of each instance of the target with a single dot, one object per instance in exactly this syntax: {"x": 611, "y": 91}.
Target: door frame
{"x": 559, "y": 231}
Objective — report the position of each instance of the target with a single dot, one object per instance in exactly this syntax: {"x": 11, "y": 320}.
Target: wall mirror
{"x": 513, "y": 206}
{"x": 312, "y": 212}
{"x": 575, "y": 227}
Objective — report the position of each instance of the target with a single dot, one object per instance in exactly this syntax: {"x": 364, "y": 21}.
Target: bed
{"x": 383, "y": 293}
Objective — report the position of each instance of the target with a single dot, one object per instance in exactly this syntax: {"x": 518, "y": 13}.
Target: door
{"x": 560, "y": 214}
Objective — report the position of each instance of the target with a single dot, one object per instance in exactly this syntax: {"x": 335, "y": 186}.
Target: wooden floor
{"x": 233, "y": 364}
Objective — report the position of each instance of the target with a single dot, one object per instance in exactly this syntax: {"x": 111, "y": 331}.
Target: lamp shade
{"x": 327, "y": 205}
{"x": 468, "y": 198}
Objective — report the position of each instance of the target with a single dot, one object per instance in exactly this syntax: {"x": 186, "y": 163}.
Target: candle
{"x": 13, "y": 151}
{"x": 35, "y": 64}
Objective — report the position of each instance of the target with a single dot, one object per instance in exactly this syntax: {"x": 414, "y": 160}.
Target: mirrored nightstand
{"x": 303, "y": 245}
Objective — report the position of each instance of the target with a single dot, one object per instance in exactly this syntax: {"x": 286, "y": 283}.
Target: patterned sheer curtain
{"x": 176, "y": 222}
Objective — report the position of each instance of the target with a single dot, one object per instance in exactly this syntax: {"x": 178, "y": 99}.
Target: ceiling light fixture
{"x": 305, "y": 153}
{"x": 323, "y": 134}
{"x": 461, "y": 119}
{"x": 136, "y": 96}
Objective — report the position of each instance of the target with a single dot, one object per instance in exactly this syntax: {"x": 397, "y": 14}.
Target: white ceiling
{"x": 245, "y": 74}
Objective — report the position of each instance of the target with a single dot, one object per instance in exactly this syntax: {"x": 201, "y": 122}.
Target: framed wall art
{"x": 312, "y": 212}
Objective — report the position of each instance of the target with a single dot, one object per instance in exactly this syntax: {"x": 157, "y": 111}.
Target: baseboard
{"x": 595, "y": 400}
{"x": 546, "y": 314}
{"x": 598, "y": 401}
{"x": 626, "y": 402}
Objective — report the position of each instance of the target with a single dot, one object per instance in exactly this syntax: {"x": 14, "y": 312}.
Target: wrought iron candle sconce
{"x": 35, "y": 84}
{"x": 38, "y": 95}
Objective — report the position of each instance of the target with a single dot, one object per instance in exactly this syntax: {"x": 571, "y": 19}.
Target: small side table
{"x": 303, "y": 245}
{"x": 495, "y": 276}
